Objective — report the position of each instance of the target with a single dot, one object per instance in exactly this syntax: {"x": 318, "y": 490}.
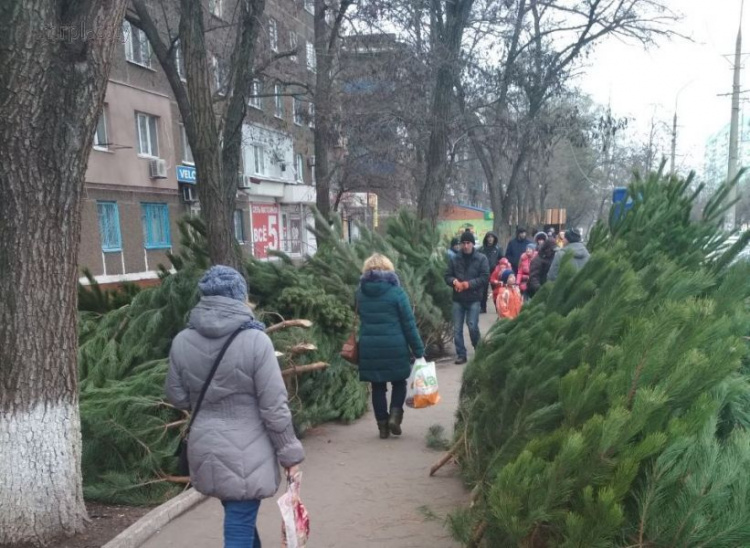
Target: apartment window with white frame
{"x": 179, "y": 62}
{"x": 299, "y": 168}
{"x": 278, "y": 101}
{"x": 187, "y": 154}
{"x": 215, "y": 7}
{"x": 147, "y": 132}
{"x": 100, "y": 137}
{"x": 297, "y": 114}
{"x": 311, "y": 114}
{"x": 259, "y": 159}
{"x": 256, "y": 90}
{"x": 310, "y": 6}
{"x": 273, "y": 34}
{"x": 311, "y": 61}
{"x": 220, "y": 74}
{"x": 137, "y": 47}
{"x": 293, "y": 45}
{"x": 239, "y": 226}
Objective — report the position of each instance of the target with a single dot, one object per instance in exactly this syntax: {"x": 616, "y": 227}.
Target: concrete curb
{"x": 138, "y": 533}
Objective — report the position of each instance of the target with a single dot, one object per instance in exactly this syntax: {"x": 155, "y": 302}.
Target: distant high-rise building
{"x": 716, "y": 157}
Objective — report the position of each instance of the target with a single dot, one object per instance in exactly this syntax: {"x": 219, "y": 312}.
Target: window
{"x": 273, "y": 35}
{"x": 278, "y": 101}
{"x": 239, "y": 226}
{"x": 187, "y": 154}
{"x": 215, "y": 7}
{"x": 293, "y": 45}
{"x": 109, "y": 226}
{"x": 179, "y": 62}
{"x": 100, "y": 137}
{"x": 256, "y": 101}
{"x": 259, "y": 159}
{"x": 312, "y": 168}
{"x": 297, "y": 105}
{"x": 137, "y": 48}
{"x": 310, "y": 6}
{"x": 299, "y": 168}
{"x": 311, "y": 113}
{"x": 146, "y": 128}
{"x": 311, "y": 62}
{"x": 156, "y": 226}
{"x": 220, "y": 75}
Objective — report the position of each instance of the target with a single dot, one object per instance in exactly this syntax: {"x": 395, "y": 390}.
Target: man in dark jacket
{"x": 468, "y": 275}
{"x": 516, "y": 248}
{"x": 492, "y": 251}
{"x": 540, "y": 266}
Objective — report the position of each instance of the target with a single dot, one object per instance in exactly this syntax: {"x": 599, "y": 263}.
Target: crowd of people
{"x": 513, "y": 277}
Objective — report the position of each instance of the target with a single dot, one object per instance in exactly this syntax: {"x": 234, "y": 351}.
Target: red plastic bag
{"x": 295, "y": 522}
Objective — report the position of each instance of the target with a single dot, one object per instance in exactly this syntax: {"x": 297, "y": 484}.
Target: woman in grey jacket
{"x": 243, "y": 430}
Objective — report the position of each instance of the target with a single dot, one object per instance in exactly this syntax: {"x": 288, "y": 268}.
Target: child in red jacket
{"x": 524, "y": 268}
{"x": 495, "y": 282}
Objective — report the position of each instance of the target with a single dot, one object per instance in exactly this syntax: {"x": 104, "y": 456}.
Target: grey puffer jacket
{"x": 580, "y": 258}
{"x": 244, "y": 429}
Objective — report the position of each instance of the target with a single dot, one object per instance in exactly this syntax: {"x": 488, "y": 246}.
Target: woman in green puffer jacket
{"x": 387, "y": 334}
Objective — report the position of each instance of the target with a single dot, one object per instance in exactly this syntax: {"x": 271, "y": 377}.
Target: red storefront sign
{"x": 265, "y": 229}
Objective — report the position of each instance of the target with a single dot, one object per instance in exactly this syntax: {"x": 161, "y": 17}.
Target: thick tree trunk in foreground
{"x": 54, "y": 62}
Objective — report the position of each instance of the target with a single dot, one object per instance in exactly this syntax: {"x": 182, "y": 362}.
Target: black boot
{"x": 394, "y": 421}
{"x": 384, "y": 431}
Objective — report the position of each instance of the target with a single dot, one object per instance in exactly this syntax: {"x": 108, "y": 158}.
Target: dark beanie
{"x": 455, "y": 241}
{"x": 520, "y": 229}
{"x": 572, "y": 235}
{"x": 505, "y": 275}
{"x": 468, "y": 237}
{"x": 223, "y": 281}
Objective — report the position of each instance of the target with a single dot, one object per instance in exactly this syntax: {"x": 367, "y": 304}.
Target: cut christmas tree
{"x": 613, "y": 410}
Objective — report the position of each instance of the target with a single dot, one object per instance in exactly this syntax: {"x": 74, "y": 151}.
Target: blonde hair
{"x": 376, "y": 261}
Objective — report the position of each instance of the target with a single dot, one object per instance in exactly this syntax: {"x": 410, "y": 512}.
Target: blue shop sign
{"x": 186, "y": 174}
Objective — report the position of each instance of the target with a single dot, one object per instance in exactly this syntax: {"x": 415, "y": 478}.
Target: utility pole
{"x": 733, "y": 167}
{"x": 674, "y": 140}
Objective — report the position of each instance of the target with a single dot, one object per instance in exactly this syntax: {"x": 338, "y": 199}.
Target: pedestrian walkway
{"x": 359, "y": 490}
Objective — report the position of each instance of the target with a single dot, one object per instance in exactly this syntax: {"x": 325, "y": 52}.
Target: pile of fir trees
{"x": 130, "y": 432}
{"x": 614, "y": 411}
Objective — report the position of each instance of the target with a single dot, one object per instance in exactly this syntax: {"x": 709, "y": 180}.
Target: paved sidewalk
{"x": 359, "y": 490}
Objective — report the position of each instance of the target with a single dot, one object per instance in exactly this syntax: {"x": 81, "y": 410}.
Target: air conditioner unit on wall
{"x": 246, "y": 181}
{"x": 157, "y": 169}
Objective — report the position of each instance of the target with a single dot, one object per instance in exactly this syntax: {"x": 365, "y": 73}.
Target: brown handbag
{"x": 350, "y": 350}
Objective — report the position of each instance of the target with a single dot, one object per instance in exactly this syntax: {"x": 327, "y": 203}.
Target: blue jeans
{"x": 239, "y": 523}
{"x": 468, "y": 312}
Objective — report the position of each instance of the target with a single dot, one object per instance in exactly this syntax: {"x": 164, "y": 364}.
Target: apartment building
{"x": 141, "y": 176}
{"x": 716, "y": 159}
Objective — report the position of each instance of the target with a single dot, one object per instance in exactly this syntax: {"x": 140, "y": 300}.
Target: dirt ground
{"x": 106, "y": 523}
{"x": 359, "y": 490}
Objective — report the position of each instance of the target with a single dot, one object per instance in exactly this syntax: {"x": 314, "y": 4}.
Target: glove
{"x": 456, "y": 281}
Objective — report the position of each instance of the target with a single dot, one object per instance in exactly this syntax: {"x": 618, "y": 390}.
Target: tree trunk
{"x": 55, "y": 58}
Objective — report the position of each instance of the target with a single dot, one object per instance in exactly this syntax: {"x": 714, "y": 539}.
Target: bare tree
{"x": 212, "y": 114}
{"x": 55, "y": 59}
{"x": 543, "y": 42}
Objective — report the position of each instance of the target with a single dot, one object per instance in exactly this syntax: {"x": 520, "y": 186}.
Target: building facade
{"x": 716, "y": 160}
{"x": 141, "y": 176}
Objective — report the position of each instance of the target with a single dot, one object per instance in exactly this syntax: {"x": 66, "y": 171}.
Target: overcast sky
{"x": 640, "y": 82}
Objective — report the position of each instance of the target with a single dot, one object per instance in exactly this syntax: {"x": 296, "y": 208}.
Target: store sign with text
{"x": 265, "y": 229}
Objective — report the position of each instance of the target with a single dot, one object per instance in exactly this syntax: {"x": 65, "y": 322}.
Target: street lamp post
{"x": 674, "y": 127}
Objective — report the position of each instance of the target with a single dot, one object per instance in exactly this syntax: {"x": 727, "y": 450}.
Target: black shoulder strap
{"x": 210, "y": 378}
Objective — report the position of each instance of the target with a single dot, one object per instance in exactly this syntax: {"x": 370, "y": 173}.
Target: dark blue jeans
{"x": 380, "y": 400}
{"x": 469, "y": 313}
{"x": 239, "y": 523}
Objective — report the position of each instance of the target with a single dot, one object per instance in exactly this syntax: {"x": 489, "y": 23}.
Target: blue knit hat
{"x": 505, "y": 275}
{"x": 223, "y": 281}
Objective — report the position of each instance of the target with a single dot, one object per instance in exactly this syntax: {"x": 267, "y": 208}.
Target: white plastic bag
{"x": 422, "y": 386}
{"x": 295, "y": 523}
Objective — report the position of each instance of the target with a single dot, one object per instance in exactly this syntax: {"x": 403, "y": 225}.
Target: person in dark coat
{"x": 243, "y": 429}
{"x": 540, "y": 266}
{"x": 387, "y": 333}
{"x": 492, "y": 251}
{"x": 516, "y": 248}
{"x": 572, "y": 245}
{"x": 454, "y": 249}
{"x": 468, "y": 275}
